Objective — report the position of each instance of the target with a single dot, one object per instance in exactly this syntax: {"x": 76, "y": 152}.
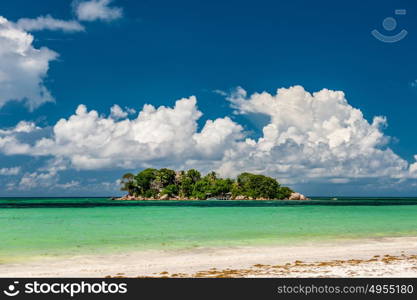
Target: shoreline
{"x": 298, "y": 197}
{"x": 378, "y": 257}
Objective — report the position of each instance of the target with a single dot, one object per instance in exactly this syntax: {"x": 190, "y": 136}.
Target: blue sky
{"x": 156, "y": 52}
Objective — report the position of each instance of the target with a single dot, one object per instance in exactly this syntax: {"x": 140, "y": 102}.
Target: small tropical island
{"x": 166, "y": 184}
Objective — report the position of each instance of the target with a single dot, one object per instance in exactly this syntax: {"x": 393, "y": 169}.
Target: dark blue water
{"x": 107, "y": 202}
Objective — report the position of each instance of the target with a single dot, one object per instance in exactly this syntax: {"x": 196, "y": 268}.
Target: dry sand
{"x": 382, "y": 257}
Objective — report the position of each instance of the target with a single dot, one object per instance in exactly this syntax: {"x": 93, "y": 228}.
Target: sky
{"x": 298, "y": 90}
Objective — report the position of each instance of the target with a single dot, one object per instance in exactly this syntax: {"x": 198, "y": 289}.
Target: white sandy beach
{"x": 390, "y": 257}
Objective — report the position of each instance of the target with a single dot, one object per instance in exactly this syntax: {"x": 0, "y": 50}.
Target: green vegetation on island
{"x": 164, "y": 184}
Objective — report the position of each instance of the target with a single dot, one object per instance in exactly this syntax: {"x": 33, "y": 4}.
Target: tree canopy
{"x": 153, "y": 183}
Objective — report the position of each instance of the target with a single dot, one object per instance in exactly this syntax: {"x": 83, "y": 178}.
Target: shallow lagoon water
{"x": 33, "y": 227}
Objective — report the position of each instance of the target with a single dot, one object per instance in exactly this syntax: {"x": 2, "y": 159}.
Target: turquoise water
{"x": 32, "y": 227}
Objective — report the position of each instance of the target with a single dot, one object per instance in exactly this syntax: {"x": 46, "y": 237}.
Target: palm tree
{"x": 128, "y": 183}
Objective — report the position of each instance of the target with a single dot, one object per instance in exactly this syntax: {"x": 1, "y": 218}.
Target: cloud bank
{"x": 315, "y": 135}
{"x": 310, "y": 137}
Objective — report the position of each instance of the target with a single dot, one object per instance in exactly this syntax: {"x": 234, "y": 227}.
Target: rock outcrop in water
{"x": 297, "y": 196}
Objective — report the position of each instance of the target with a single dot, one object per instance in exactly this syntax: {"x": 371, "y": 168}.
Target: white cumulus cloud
{"x": 23, "y": 68}
{"x": 45, "y": 177}
{"x": 116, "y": 112}
{"x": 9, "y": 171}
{"x": 37, "y": 179}
{"x": 161, "y": 135}
{"x": 21, "y": 127}
{"x": 96, "y": 10}
{"x": 310, "y": 136}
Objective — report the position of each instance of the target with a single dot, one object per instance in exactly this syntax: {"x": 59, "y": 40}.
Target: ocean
{"x": 32, "y": 228}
